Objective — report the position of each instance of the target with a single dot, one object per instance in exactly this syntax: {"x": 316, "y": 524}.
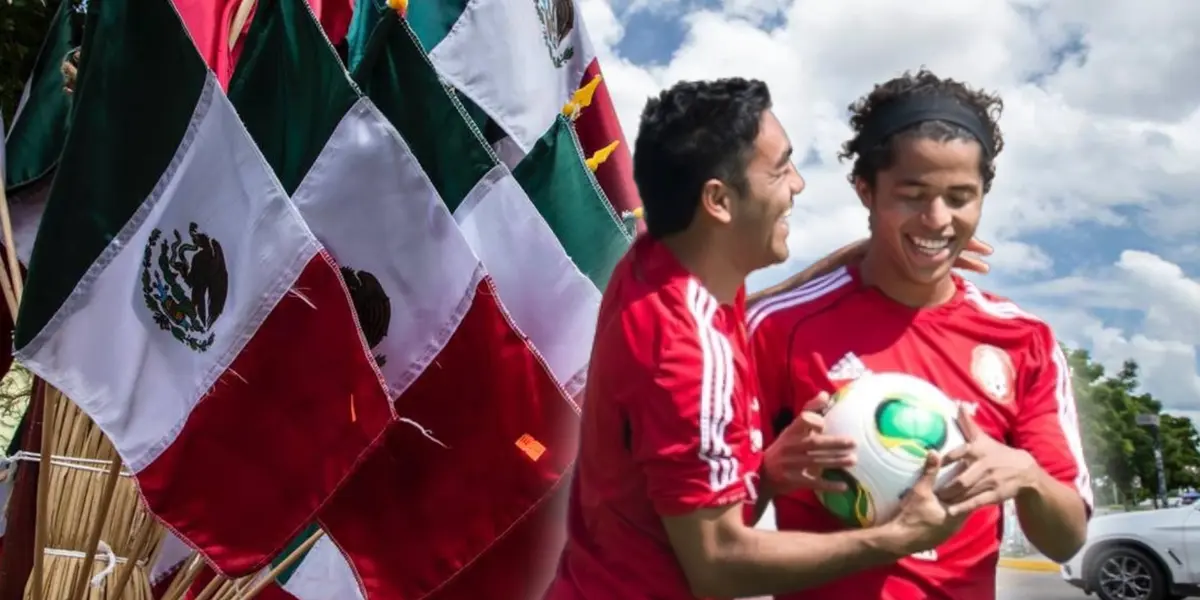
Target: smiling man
{"x": 670, "y": 457}
{"x": 924, "y": 154}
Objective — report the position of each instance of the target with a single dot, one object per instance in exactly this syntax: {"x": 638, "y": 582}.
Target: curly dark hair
{"x": 691, "y": 133}
{"x": 869, "y": 161}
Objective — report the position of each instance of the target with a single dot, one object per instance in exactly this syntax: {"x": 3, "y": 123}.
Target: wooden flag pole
{"x": 184, "y": 578}
{"x": 212, "y": 587}
{"x": 10, "y": 245}
{"x": 140, "y": 544}
{"x": 283, "y": 565}
{"x": 41, "y": 515}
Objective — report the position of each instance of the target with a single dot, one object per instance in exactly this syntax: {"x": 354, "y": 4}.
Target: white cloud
{"x": 1102, "y": 125}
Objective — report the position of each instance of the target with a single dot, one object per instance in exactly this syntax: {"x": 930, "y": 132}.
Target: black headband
{"x": 904, "y": 112}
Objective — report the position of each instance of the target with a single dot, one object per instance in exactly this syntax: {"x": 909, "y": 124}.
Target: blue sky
{"x": 1092, "y": 212}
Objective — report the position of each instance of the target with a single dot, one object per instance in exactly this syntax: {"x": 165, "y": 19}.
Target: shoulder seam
{"x": 1000, "y": 309}
{"x": 809, "y": 292}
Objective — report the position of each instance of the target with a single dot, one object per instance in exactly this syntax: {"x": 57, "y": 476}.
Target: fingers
{"x": 819, "y": 404}
{"x": 974, "y": 502}
{"x": 929, "y": 472}
{"x": 957, "y": 454}
{"x": 809, "y": 422}
{"x": 968, "y": 426}
{"x": 971, "y": 263}
{"x": 979, "y": 247}
{"x": 963, "y": 486}
{"x": 821, "y": 484}
{"x": 821, "y": 443}
{"x": 974, "y": 261}
{"x": 830, "y": 460}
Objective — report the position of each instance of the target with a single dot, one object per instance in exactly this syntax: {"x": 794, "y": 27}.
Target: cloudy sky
{"x": 1094, "y": 212}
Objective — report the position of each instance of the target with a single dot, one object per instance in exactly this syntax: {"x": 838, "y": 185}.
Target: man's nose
{"x": 797, "y": 183}
{"x": 937, "y": 214}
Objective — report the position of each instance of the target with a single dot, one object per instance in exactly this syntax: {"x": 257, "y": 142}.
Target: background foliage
{"x": 1118, "y": 450}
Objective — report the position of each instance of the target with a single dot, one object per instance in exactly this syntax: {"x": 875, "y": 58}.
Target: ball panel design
{"x": 895, "y": 419}
{"x": 909, "y": 427}
{"x": 852, "y": 506}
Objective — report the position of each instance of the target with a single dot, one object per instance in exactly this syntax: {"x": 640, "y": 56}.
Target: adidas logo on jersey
{"x": 848, "y": 368}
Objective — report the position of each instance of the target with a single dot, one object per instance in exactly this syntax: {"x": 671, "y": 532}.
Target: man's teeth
{"x": 930, "y": 245}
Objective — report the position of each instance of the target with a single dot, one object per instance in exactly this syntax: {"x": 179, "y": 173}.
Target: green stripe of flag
{"x": 36, "y": 139}
{"x": 430, "y": 20}
{"x": 569, "y": 198}
{"x": 151, "y": 124}
{"x": 397, "y": 76}
{"x": 263, "y": 93}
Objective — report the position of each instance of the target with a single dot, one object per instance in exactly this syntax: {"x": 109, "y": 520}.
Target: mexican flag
{"x": 427, "y": 303}
{"x": 561, "y": 186}
{"x": 510, "y": 435}
{"x": 39, "y": 128}
{"x": 178, "y": 297}
{"x": 515, "y": 63}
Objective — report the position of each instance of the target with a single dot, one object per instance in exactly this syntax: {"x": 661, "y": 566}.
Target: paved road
{"x": 1028, "y": 585}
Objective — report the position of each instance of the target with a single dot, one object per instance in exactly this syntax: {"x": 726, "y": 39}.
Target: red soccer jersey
{"x": 997, "y": 360}
{"x": 669, "y": 426}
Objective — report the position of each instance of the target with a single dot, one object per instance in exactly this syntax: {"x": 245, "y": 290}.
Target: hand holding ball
{"x": 895, "y": 420}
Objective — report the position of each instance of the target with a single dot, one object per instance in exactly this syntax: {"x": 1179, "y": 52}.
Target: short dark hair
{"x": 880, "y": 156}
{"x": 690, "y": 133}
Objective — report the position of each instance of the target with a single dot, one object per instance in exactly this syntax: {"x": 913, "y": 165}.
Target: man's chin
{"x": 779, "y": 256}
{"x": 928, "y": 274}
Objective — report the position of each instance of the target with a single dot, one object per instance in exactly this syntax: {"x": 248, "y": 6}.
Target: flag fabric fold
{"x": 512, "y": 84}
{"x": 428, "y": 308}
{"x": 562, "y": 188}
{"x": 547, "y": 297}
{"x": 178, "y": 297}
{"x": 495, "y": 398}
{"x": 522, "y": 77}
{"x": 39, "y": 128}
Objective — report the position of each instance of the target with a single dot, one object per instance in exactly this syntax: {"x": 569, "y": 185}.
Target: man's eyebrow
{"x": 785, "y": 159}
{"x": 962, "y": 187}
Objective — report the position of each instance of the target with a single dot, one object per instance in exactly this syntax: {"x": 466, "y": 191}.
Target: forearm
{"x": 1053, "y": 517}
{"x": 765, "y": 562}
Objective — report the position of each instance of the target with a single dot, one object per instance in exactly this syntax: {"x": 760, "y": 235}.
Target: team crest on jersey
{"x": 993, "y": 371}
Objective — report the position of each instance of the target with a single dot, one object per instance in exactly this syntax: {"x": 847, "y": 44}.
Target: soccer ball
{"x": 894, "y": 419}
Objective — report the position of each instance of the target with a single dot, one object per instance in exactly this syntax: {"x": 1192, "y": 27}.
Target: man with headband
{"x": 671, "y": 434}
{"x": 924, "y": 154}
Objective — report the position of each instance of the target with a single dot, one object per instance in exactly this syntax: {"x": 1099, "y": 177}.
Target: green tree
{"x": 1117, "y": 449}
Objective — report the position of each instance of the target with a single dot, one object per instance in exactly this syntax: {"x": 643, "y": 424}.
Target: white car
{"x": 1146, "y": 555}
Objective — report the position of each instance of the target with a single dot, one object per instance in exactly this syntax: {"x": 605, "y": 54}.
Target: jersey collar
{"x": 656, "y": 265}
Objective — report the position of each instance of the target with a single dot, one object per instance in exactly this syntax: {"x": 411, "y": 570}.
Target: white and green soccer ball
{"x": 894, "y": 419}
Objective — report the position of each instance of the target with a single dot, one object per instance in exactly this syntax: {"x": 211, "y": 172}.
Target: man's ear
{"x": 866, "y": 194}
{"x": 716, "y": 201}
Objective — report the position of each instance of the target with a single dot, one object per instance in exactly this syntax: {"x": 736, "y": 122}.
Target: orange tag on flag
{"x": 531, "y": 447}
